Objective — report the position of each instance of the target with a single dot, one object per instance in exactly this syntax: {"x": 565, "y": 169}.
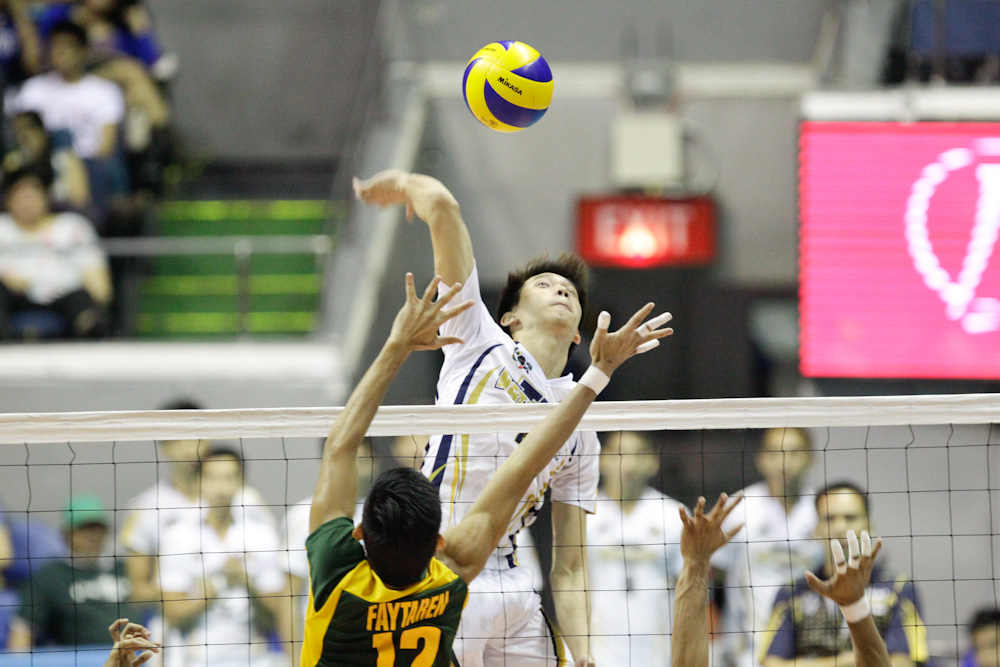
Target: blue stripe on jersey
{"x": 445, "y": 447}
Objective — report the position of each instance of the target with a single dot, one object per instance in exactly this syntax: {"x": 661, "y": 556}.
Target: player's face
{"x": 29, "y": 137}
{"x": 986, "y": 642}
{"x": 840, "y": 512}
{"x": 783, "y": 458}
{"x": 546, "y": 299}
{"x": 221, "y": 479}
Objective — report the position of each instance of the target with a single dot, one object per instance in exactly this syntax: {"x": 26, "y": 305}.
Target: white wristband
{"x": 857, "y": 611}
{"x": 595, "y": 378}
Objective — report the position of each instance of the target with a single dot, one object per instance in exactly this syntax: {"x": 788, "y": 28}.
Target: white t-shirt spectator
{"x": 774, "y": 549}
{"x": 53, "y": 258}
{"x": 83, "y": 108}
{"x": 634, "y": 560}
{"x": 225, "y": 636}
{"x": 160, "y": 507}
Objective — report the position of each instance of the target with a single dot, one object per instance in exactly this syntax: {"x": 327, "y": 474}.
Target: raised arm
{"x": 431, "y": 201}
{"x": 415, "y": 328}
{"x": 469, "y": 544}
{"x": 847, "y": 588}
{"x": 701, "y": 536}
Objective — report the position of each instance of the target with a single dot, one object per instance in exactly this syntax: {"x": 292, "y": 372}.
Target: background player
{"x": 520, "y": 361}
{"x": 367, "y": 605}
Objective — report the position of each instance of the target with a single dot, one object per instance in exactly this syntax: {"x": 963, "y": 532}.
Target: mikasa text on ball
{"x": 507, "y": 86}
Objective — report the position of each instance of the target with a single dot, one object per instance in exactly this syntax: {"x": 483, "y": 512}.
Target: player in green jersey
{"x": 398, "y": 600}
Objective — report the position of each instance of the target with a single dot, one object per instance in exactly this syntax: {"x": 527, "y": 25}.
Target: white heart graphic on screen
{"x": 977, "y": 315}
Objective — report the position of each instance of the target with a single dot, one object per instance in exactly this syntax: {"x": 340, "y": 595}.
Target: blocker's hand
{"x": 417, "y": 323}
{"x": 849, "y": 581}
{"x": 129, "y": 638}
{"x": 609, "y": 351}
{"x": 702, "y": 534}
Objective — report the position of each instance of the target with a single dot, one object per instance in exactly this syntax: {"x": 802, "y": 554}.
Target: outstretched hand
{"x": 129, "y": 638}
{"x": 703, "y": 534}
{"x": 851, "y": 574}
{"x": 385, "y": 189}
{"x": 416, "y": 325}
{"x": 609, "y": 351}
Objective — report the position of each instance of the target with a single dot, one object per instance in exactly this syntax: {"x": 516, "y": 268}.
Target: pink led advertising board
{"x": 899, "y": 274}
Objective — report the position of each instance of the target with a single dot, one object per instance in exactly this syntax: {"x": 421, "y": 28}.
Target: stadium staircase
{"x": 236, "y": 293}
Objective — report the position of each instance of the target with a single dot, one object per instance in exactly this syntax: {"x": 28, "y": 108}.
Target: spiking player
{"x": 392, "y": 602}
{"x": 519, "y": 360}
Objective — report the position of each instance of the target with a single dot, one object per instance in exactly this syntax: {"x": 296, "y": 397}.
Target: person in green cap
{"x": 68, "y": 602}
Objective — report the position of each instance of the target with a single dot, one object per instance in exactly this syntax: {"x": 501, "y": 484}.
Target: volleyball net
{"x": 928, "y": 464}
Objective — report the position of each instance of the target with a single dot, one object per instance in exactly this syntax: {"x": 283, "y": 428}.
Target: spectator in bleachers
{"x": 984, "y": 632}
{"x": 167, "y": 503}
{"x": 633, "y": 552}
{"x": 68, "y": 98}
{"x": 34, "y": 148}
{"x": 12, "y": 634}
{"x": 20, "y": 44}
{"x": 49, "y": 262}
{"x": 90, "y": 108}
{"x": 68, "y": 602}
{"x": 116, "y": 28}
{"x": 123, "y": 49}
{"x": 224, "y": 592}
{"x": 805, "y": 631}
{"x": 775, "y": 545}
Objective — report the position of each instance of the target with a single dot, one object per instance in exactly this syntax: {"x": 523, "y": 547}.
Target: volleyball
{"x": 507, "y": 86}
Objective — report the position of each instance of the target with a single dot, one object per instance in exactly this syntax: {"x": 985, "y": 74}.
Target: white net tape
{"x": 605, "y": 416}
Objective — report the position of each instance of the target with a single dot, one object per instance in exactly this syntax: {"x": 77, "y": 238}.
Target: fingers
{"x": 448, "y": 340}
{"x": 853, "y": 550}
{"x": 601, "y": 333}
{"x": 817, "y": 584}
{"x": 113, "y": 628}
{"x": 647, "y": 346}
{"x": 685, "y": 517}
{"x": 430, "y": 290}
{"x": 699, "y": 508}
{"x": 444, "y": 298}
{"x": 866, "y": 544}
{"x": 136, "y": 630}
{"x": 736, "y": 500}
{"x": 409, "y": 211}
{"x": 877, "y": 547}
{"x": 137, "y": 644}
{"x": 732, "y": 532}
{"x": 454, "y": 311}
{"x": 838, "y": 556}
{"x": 142, "y": 658}
{"x": 639, "y": 316}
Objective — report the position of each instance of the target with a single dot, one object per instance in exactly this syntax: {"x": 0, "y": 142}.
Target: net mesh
{"x": 928, "y": 465}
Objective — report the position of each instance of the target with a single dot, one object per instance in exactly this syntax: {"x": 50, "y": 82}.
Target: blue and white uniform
{"x": 503, "y": 620}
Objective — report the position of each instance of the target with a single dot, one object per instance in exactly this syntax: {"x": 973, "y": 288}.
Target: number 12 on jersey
{"x": 409, "y": 639}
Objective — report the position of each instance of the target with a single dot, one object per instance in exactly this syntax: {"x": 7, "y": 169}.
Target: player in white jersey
{"x": 634, "y": 556}
{"x": 518, "y": 361}
{"x": 776, "y": 547}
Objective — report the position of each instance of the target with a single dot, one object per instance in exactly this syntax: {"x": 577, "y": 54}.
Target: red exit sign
{"x": 643, "y": 232}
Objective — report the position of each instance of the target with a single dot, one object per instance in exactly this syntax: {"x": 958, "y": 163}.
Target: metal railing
{"x": 242, "y": 248}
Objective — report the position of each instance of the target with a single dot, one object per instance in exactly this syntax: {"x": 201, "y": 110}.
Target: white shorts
{"x": 503, "y": 625}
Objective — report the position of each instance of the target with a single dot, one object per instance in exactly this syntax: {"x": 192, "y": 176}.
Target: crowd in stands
{"x": 86, "y": 119}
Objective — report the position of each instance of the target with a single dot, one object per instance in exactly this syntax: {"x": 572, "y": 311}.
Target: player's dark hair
{"x": 219, "y": 451}
{"x": 844, "y": 487}
{"x": 569, "y": 266}
{"x": 401, "y": 522}
{"x": 69, "y": 29}
{"x": 985, "y": 618}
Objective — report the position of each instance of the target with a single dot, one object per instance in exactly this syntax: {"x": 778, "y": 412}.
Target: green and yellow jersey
{"x": 355, "y": 619}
